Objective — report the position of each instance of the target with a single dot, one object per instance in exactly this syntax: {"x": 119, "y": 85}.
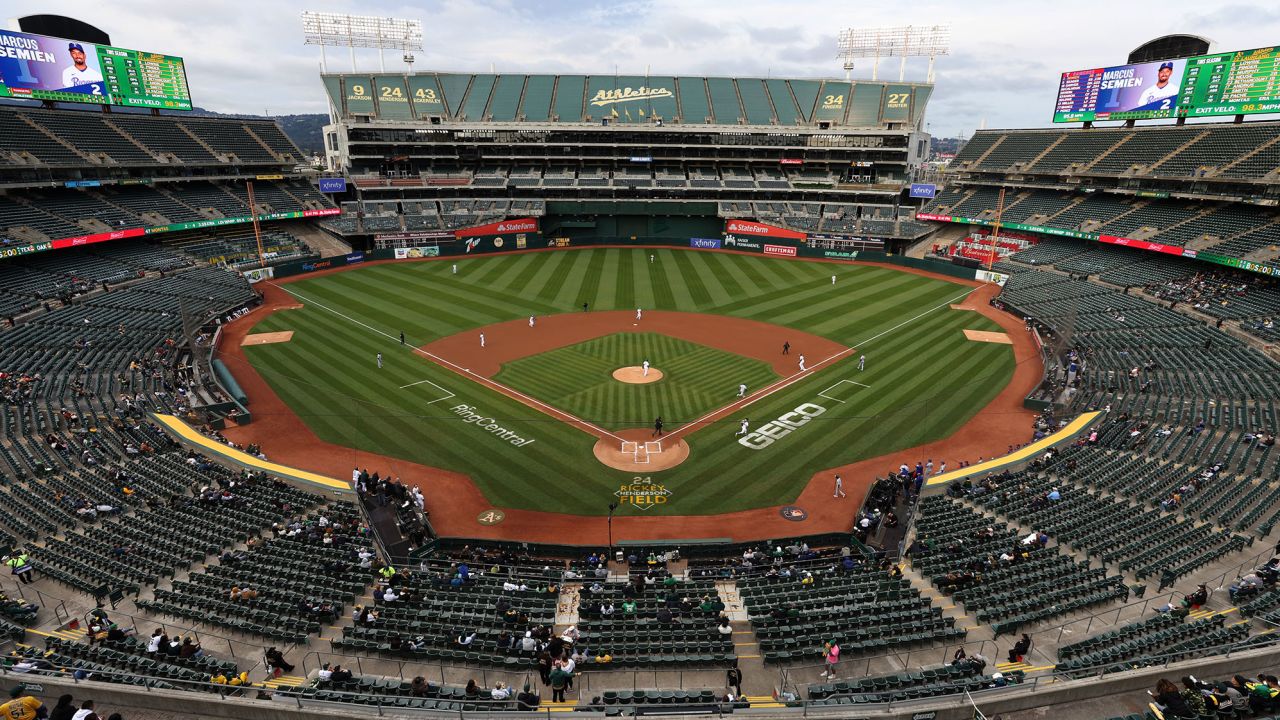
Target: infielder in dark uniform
{"x": 786, "y": 348}
{"x": 657, "y": 426}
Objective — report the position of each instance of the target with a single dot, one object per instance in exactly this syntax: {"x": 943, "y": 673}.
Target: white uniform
{"x": 839, "y": 493}
{"x": 455, "y": 268}
{"x": 379, "y": 360}
{"x": 833, "y": 279}
{"x": 742, "y": 430}
{"x": 645, "y": 365}
{"x": 862, "y": 362}
{"x": 639, "y": 312}
{"x": 71, "y": 77}
{"x": 481, "y": 339}
{"x": 650, "y": 259}
{"x": 530, "y": 321}
{"x": 742, "y": 391}
{"x": 1154, "y": 93}
{"x": 801, "y": 363}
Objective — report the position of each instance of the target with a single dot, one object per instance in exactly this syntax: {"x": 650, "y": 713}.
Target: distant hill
{"x": 304, "y": 130}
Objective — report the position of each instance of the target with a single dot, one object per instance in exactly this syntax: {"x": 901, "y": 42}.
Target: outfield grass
{"x": 925, "y": 378}
{"x": 579, "y": 378}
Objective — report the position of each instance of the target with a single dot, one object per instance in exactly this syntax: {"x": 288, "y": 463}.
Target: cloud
{"x": 244, "y": 56}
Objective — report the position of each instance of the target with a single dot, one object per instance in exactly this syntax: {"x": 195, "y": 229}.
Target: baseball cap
{"x": 75, "y": 46}
{"x": 1166, "y": 66}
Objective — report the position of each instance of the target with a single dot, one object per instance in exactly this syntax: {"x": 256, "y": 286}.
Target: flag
{"x": 628, "y": 114}
{"x": 613, "y": 112}
{"x": 641, "y": 111}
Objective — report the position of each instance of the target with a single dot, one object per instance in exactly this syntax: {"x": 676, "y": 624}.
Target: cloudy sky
{"x": 1003, "y": 69}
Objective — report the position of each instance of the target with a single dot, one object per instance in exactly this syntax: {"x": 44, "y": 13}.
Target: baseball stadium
{"x": 636, "y": 394}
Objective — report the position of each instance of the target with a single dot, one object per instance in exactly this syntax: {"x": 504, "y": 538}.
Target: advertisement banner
{"x": 354, "y": 258}
{"x": 705, "y": 243}
{"x": 259, "y": 274}
{"x": 733, "y": 242}
{"x": 747, "y": 227}
{"x": 783, "y": 250}
{"x": 516, "y": 225}
{"x": 413, "y": 236}
{"x": 322, "y": 212}
{"x": 988, "y": 276}
{"x": 840, "y": 254}
{"x": 414, "y": 253}
{"x": 791, "y": 161}
{"x": 924, "y": 190}
{"x": 333, "y": 185}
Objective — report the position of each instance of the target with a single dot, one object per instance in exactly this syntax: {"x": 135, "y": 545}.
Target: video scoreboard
{"x": 39, "y": 67}
{"x": 1232, "y": 83}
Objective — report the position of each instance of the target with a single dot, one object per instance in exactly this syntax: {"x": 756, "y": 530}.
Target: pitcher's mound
{"x": 641, "y": 456}
{"x": 635, "y": 375}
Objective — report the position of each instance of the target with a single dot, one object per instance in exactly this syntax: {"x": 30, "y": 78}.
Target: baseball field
{"x": 523, "y": 415}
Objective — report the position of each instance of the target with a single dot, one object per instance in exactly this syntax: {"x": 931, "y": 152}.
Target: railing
{"x": 358, "y": 704}
{"x": 57, "y": 605}
{"x": 787, "y": 675}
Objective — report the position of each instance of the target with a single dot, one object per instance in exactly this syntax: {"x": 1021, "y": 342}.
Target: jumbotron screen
{"x": 1231, "y": 83}
{"x": 40, "y": 67}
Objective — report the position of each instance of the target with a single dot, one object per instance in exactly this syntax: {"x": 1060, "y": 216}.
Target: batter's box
{"x": 842, "y": 391}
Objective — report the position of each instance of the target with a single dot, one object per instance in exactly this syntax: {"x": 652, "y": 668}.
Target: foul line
{"x": 511, "y": 392}
{"x": 792, "y": 379}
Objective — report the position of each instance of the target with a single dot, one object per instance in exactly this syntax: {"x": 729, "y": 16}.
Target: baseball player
{"x": 839, "y": 493}
{"x": 639, "y": 312}
{"x": 651, "y": 259}
{"x": 802, "y": 368}
{"x": 862, "y": 363}
{"x": 379, "y": 361}
{"x": 833, "y": 279}
{"x": 742, "y": 430}
{"x": 530, "y": 321}
{"x": 1162, "y": 88}
{"x": 657, "y": 426}
{"x": 401, "y": 338}
{"x": 786, "y": 348}
{"x": 455, "y": 268}
{"x": 742, "y": 390}
{"x": 645, "y": 365}
{"x": 481, "y": 339}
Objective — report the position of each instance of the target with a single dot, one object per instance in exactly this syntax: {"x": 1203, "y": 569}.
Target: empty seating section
{"x": 141, "y": 199}
{"x": 1037, "y": 203}
{"x": 1017, "y": 149}
{"x": 1144, "y": 148}
{"x": 863, "y": 608}
{"x": 21, "y": 140}
{"x": 1154, "y": 640}
{"x": 90, "y": 134}
{"x": 231, "y": 138}
{"x": 923, "y": 683}
{"x": 164, "y": 137}
{"x": 957, "y": 548}
{"x": 684, "y": 635}
{"x": 1076, "y": 150}
{"x": 976, "y": 147}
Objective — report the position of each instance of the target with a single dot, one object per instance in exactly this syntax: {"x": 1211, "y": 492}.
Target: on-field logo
{"x": 784, "y": 425}
{"x": 643, "y": 493}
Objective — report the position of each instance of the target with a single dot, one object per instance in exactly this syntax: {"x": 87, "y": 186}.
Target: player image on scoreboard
{"x": 43, "y": 67}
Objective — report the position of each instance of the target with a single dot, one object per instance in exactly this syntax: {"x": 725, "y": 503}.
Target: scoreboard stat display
{"x": 40, "y": 67}
{"x": 1232, "y": 83}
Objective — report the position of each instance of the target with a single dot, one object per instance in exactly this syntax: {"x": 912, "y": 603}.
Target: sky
{"x": 1002, "y": 72}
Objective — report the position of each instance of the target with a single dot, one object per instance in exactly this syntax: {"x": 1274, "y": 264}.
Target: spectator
{"x": 1170, "y": 700}
{"x": 277, "y": 663}
{"x": 527, "y": 700}
{"x": 86, "y": 712}
{"x": 830, "y": 656}
{"x": 340, "y": 675}
{"x": 64, "y": 710}
{"x": 500, "y": 691}
{"x": 559, "y": 680}
{"x": 1020, "y": 649}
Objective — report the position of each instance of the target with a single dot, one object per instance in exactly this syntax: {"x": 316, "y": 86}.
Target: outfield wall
{"x": 538, "y": 241}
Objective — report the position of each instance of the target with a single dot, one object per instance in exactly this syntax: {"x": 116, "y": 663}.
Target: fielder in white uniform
{"x": 639, "y": 312}
{"x": 839, "y": 493}
{"x": 645, "y": 365}
{"x": 481, "y": 339}
{"x": 455, "y": 268}
{"x": 742, "y": 390}
{"x": 530, "y": 321}
{"x": 379, "y": 361}
{"x": 802, "y": 363}
{"x": 742, "y": 430}
{"x": 862, "y": 362}
{"x": 833, "y": 279}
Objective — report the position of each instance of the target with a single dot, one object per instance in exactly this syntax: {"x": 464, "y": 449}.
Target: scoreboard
{"x": 1233, "y": 83}
{"x": 39, "y": 67}
{"x": 1238, "y": 83}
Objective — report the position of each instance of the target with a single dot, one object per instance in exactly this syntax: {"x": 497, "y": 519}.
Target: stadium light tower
{"x": 905, "y": 41}
{"x": 362, "y": 31}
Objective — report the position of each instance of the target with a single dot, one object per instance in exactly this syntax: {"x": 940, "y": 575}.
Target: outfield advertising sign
{"x": 924, "y": 190}
{"x": 748, "y": 227}
{"x": 783, "y": 250}
{"x": 705, "y": 243}
{"x": 414, "y": 253}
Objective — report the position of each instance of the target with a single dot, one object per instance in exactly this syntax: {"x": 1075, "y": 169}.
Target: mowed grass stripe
{"x": 920, "y": 388}
{"x": 642, "y": 274}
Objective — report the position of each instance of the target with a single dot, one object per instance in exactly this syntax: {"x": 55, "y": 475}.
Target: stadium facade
{"x": 623, "y": 156}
